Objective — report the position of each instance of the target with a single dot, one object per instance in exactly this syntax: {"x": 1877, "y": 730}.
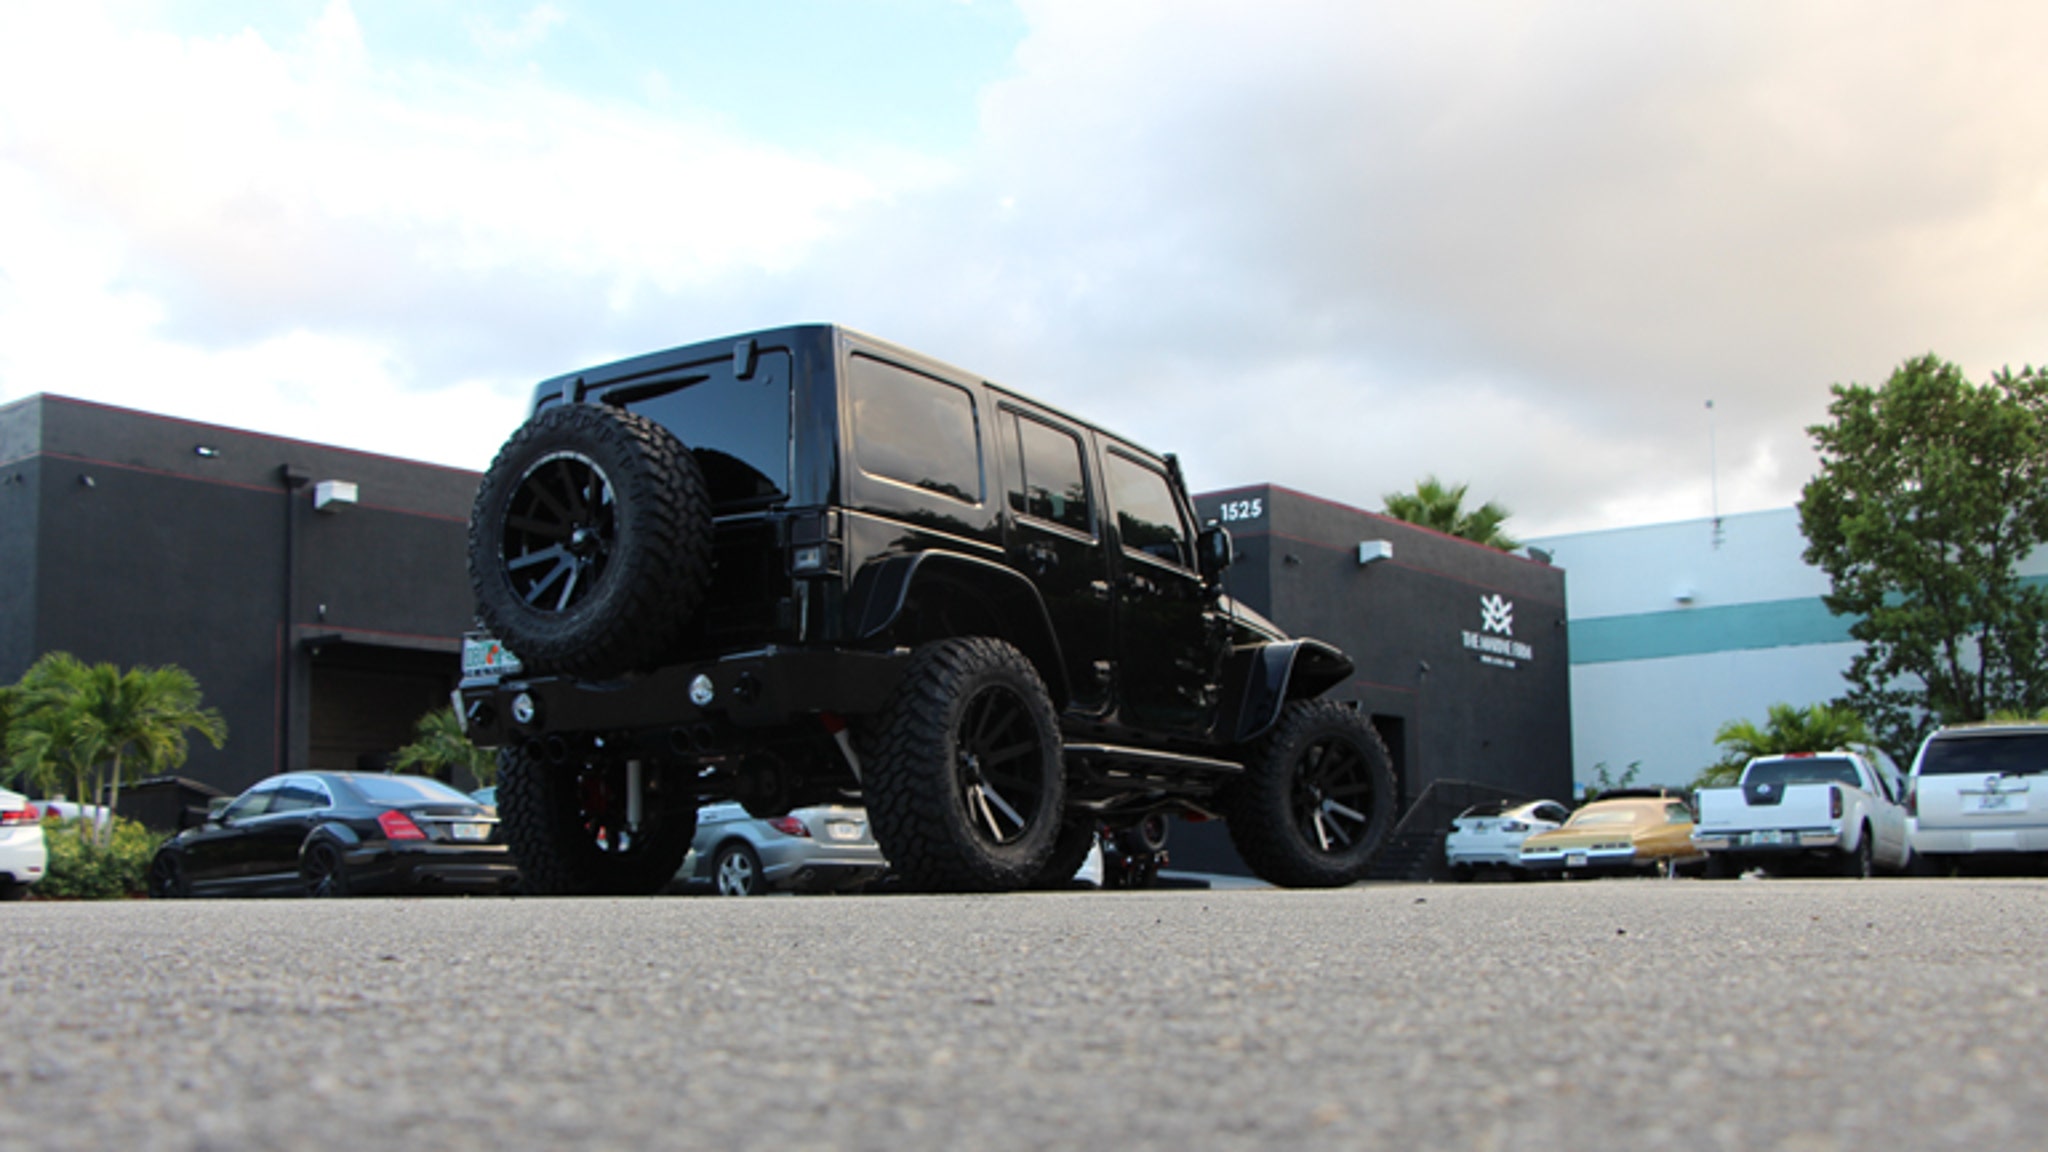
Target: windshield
{"x": 2024, "y": 753}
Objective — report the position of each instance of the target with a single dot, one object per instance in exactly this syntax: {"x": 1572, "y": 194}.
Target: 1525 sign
{"x": 1236, "y": 510}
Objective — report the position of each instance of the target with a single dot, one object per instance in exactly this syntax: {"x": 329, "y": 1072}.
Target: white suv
{"x": 1980, "y": 789}
{"x": 22, "y": 854}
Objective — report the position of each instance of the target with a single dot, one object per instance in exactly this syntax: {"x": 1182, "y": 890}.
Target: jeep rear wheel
{"x": 966, "y": 791}
{"x": 568, "y": 826}
{"x": 1316, "y": 799}
{"x": 590, "y": 544}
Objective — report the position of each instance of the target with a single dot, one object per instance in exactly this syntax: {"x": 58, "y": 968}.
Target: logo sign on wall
{"x": 1495, "y": 641}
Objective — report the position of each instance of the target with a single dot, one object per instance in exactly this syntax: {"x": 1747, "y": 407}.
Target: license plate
{"x": 1767, "y": 837}
{"x": 1575, "y": 860}
{"x": 471, "y": 831}
{"x": 1994, "y": 802}
{"x": 483, "y": 656}
{"x": 841, "y": 830}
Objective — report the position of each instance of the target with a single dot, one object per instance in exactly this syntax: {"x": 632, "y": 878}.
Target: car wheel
{"x": 590, "y": 542}
{"x": 737, "y": 871}
{"x": 167, "y": 879}
{"x": 1316, "y": 799}
{"x": 967, "y": 792}
{"x": 323, "y": 870}
{"x": 1860, "y": 864}
{"x": 12, "y": 889}
{"x": 566, "y": 824}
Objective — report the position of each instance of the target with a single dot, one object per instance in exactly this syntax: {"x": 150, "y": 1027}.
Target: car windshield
{"x": 1804, "y": 770}
{"x": 2021, "y": 754}
{"x": 399, "y": 790}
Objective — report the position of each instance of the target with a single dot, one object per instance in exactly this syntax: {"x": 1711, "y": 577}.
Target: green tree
{"x": 107, "y": 725}
{"x": 1433, "y": 505}
{"x": 1605, "y": 781}
{"x": 440, "y": 746}
{"x": 1815, "y": 728}
{"x": 1931, "y": 490}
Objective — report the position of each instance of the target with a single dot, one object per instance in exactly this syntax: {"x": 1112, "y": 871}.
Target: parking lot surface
{"x": 1798, "y": 1015}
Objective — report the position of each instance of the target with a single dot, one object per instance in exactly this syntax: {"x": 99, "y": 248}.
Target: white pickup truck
{"x": 1841, "y": 809}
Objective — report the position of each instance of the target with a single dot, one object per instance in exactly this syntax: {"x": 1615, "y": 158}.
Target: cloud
{"x": 1331, "y": 245}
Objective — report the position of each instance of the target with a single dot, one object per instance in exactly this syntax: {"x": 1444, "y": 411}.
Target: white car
{"x": 1980, "y": 793}
{"x": 1490, "y": 835}
{"x": 22, "y": 853}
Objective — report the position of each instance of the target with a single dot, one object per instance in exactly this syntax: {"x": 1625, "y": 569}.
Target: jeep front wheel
{"x": 590, "y": 543}
{"x": 568, "y": 825}
{"x": 966, "y": 790}
{"x": 1316, "y": 799}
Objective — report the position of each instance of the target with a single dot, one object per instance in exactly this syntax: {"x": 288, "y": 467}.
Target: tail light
{"x": 1913, "y": 803}
{"x": 398, "y": 826}
{"x": 1834, "y": 802}
{"x": 24, "y": 815}
{"x": 790, "y": 826}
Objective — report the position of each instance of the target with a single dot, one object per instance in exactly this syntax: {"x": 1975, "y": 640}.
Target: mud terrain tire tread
{"x": 659, "y": 565}
{"x": 916, "y": 789}
{"x": 558, "y": 854}
{"x": 1263, "y": 809}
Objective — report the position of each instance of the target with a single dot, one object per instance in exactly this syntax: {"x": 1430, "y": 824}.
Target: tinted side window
{"x": 914, "y": 430}
{"x": 1054, "y": 484}
{"x": 252, "y": 803}
{"x": 1146, "y": 513}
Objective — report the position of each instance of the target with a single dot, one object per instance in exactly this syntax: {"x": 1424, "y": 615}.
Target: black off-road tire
{"x": 1069, "y": 852}
{"x": 565, "y": 823}
{"x": 1317, "y": 798}
{"x": 590, "y": 542}
{"x": 967, "y": 792}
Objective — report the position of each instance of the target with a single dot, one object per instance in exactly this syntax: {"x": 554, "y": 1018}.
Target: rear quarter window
{"x": 914, "y": 429}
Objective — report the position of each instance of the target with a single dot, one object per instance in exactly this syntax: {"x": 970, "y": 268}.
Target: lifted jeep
{"x": 804, "y": 565}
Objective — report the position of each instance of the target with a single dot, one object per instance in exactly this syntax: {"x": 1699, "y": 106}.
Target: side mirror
{"x": 1214, "y": 552}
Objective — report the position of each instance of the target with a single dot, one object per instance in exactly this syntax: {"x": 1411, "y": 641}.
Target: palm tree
{"x": 107, "y": 724}
{"x": 1433, "y": 505}
{"x": 1815, "y": 728}
{"x": 440, "y": 745}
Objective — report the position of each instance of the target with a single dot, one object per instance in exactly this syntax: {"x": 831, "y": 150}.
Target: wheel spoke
{"x": 1330, "y": 805}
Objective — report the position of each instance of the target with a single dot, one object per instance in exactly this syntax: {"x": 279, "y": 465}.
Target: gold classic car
{"x": 1617, "y": 834}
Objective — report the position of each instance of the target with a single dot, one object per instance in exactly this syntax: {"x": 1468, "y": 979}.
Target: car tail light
{"x": 790, "y": 826}
{"x": 1834, "y": 802}
{"x": 1913, "y": 802}
{"x": 398, "y": 826}
{"x": 25, "y": 815}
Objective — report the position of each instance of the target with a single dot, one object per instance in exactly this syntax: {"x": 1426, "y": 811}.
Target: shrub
{"x": 82, "y": 870}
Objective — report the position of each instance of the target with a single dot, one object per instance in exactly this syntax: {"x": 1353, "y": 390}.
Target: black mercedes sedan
{"x": 338, "y": 833}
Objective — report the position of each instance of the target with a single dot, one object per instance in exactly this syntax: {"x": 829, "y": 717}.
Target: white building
{"x": 1676, "y": 629}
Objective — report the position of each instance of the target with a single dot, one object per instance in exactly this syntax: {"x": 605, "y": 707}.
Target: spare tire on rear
{"x": 590, "y": 543}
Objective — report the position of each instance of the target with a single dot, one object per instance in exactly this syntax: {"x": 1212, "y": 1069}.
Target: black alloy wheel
{"x": 1316, "y": 800}
{"x": 167, "y": 877}
{"x": 560, "y": 530}
{"x": 323, "y": 870}
{"x": 967, "y": 791}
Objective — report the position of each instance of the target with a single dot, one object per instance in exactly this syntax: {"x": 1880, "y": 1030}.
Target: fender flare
{"x": 1262, "y": 678}
{"x": 882, "y": 589}
{"x": 340, "y": 833}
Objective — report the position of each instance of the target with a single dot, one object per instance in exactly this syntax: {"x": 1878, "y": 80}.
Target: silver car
{"x": 822, "y": 849}
{"x": 1979, "y": 793}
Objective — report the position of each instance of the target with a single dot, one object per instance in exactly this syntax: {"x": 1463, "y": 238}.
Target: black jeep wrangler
{"x": 803, "y": 566}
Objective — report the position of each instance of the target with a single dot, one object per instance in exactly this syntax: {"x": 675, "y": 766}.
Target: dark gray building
{"x": 318, "y": 594}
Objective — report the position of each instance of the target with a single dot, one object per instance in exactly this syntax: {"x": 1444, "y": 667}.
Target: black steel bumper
{"x": 766, "y": 688}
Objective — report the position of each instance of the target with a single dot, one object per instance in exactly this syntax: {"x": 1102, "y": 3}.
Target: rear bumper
{"x": 769, "y": 687}
{"x": 1969, "y": 841}
{"x": 411, "y": 866}
{"x": 23, "y": 855}
{"x": 1770, "y": 841}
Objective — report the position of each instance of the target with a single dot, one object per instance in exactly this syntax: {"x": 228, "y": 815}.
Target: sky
{"x": 1334, "y": 246}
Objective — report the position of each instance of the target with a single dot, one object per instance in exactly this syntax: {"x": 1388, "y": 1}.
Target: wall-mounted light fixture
{"x": 1373, "y": 551}
{"x": 332, "y": 496}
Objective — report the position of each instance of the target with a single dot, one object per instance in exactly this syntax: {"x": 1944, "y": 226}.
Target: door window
{"x": 1053, "y": 485}
{"x": 1147, "y": 516}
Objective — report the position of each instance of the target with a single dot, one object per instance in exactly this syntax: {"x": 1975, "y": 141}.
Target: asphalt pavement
{"x": 1795, "y": 1015}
